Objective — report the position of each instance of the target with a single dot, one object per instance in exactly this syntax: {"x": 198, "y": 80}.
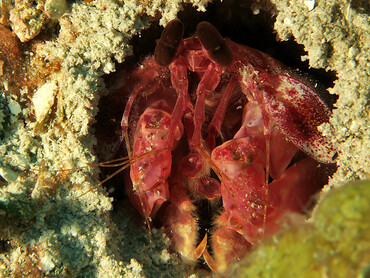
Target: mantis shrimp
{"x": 210, "y": 119}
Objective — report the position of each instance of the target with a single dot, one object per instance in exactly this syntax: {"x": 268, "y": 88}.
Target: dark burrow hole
{"x": 235, "y": 20}
{"x": 4, "y": 246}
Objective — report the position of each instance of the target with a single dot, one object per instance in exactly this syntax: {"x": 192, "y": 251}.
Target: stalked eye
{"x": 168, "y": 44}
{"x": 214, "y": 43}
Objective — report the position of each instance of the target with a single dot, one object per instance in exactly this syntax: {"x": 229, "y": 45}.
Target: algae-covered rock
{"x": 335, "y": 244}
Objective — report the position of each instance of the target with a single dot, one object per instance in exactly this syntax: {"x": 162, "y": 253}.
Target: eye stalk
{"x": 169, "y": 43}
{"x": 214, "y": 43}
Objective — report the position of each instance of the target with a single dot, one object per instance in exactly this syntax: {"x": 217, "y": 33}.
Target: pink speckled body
{"x": 245, "y": 133}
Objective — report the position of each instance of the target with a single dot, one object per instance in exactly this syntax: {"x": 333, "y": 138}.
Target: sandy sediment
{"x": 46, "y": 124}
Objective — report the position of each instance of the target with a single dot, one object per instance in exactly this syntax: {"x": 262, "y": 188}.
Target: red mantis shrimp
{"x": 188, "y": 139}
